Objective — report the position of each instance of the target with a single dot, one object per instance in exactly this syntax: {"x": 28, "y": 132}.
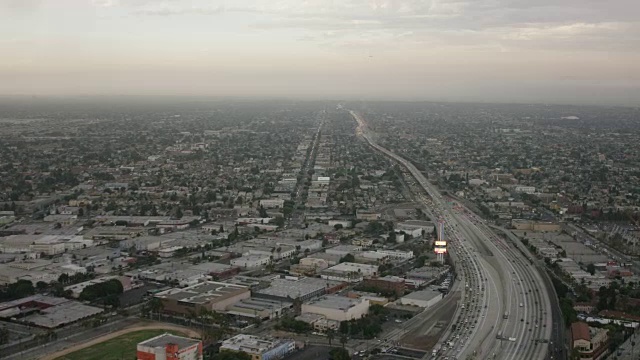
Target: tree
{"x": 155, "y": 305}
{"x": 279, "y": 221}
{"x": 348, "y": 258}
{"x": 339, "y": 354}
{"x": 63, "y": 278}
{"x": 108, "y": 291}
{"x": 591, "y": 269}
{"x": 330, "y": 335}
{"x": 343, "y": 340}
{"x": 41, "y": 286}
{"x": 232, "y": 355}
{"x": 263, "y": 212}
{"x": 4, "y": 336}
{"x": 17, "y": 290}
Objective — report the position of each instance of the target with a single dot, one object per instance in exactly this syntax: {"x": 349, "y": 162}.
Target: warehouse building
{"x": 424, "y": 298}
{"x": 337, "y": 308}
{"x": 349, "y": 272}
{"x": 259, "y": 348}
{"x": 209, "y": 295}
{"x": 303, "y": 288}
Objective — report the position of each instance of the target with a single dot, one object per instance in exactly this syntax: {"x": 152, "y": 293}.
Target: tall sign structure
{"x": 440, "y": 245}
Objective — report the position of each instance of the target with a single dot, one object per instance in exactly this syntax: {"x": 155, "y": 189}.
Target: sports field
{"x": 121, "y": 347}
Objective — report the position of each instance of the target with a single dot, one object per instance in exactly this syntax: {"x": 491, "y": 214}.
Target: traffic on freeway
{"x": 505, "y": 310}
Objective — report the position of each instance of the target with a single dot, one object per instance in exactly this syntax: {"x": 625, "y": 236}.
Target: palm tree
{"x": 330, "y": 335}
{"x": 191, "y": 315}
{"x": 343, "y": 340}
{"x": 156, "y": 306}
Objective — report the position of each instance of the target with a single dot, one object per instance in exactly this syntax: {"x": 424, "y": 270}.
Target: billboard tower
{"x": 440, "y": 247}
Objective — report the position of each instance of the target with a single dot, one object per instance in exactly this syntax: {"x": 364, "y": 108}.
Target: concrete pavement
{"x": 491, "y": 260}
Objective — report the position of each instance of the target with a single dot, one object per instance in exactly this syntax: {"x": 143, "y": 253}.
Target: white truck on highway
{"x": 512, "y": 339}
{"x": 435, "y": 350}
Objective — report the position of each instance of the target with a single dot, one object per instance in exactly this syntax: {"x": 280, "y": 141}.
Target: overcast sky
{"x": 571, "y": 51}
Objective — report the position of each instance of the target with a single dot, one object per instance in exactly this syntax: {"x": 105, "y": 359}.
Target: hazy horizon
{"x": 504, "y": 51}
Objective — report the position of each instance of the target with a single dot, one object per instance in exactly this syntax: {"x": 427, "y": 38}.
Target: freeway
{"x": 506, "y": 309}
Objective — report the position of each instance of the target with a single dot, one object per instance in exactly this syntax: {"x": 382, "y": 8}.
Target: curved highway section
{"x": 505, "y": 309}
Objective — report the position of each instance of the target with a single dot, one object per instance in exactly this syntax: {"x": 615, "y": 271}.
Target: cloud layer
{"x": 490, "y": 50}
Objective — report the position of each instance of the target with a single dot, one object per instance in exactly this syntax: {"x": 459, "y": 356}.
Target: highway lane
{"x": 499, "y": 292}
{"x": 532, "y": 321}
{"x": 557, "y": 348}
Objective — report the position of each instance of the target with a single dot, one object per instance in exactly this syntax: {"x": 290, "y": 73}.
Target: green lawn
{"x": 121, "y": 347}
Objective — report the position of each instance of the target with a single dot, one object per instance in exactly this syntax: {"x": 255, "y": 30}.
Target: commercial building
{"x": 318, "y": 322}
{"x": 207, "y": 295}
{"x": 367, "y": 215}
{"x": 338, "y": 308}
{"x": 308, "y": 266}
{"x": 303, "y": 288}
{"x": 36, "y": 270}
{"x": 521, "y": 224}
{"x": 397, "y": 254}
{"x": 387, "y": 284}
{"x": 349, "y": 272}
{"x": 251, "y": 261}
{"x": 343, "y": 250}
{"x": 169, "y": 347}
{"x": 47, "y": 311}
{"x": 415, "y": 227}
{"x": 272, "y": 203}
{"x": 331, "y": 259}
{"x": 46, "y": 244}
{"x": 259, "y": 348}
{"x": 259, "y": 308}
{"x": 425, "y": 275}
{"x": 592, "y": 343}
{"x": 525, "y": 189}
{"x": 424, "y": 298}
{"x": 371, "y": 257}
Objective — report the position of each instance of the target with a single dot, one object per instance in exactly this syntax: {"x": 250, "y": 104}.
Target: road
{"x": 505, "y": 311}
{"x": 558, "y": 349}
{"x": 301, "y": 191}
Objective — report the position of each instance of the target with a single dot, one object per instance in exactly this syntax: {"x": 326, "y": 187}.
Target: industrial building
{"x": 251, "y": 261}
{"x": 209, "y": 295}
{"x": 259, "y": 348}
{"x": 338, "y": 308}
{"x": 169, "y": 347}
{"x": 303, "y": 288}
{"x": 387, "y": 284}
{"x": 319, "y": 322}
{"x": 258, "y": 308}
{"x": 343, "y": 250}
{"x": 47, "y": 311}
{"x": 349, "y": 272}
{"x": 423, "y": 298}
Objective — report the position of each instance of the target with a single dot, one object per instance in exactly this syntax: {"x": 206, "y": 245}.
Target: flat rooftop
{"x": 203, "y": 292}
{"x": 249, "y": 343}
{"x": 296, "y": 288}
{"x": 352, "y": 267}
{"x": 165, "y": 339}
{"x": 335, "y": 302}
{"x": 426, "y": 294}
